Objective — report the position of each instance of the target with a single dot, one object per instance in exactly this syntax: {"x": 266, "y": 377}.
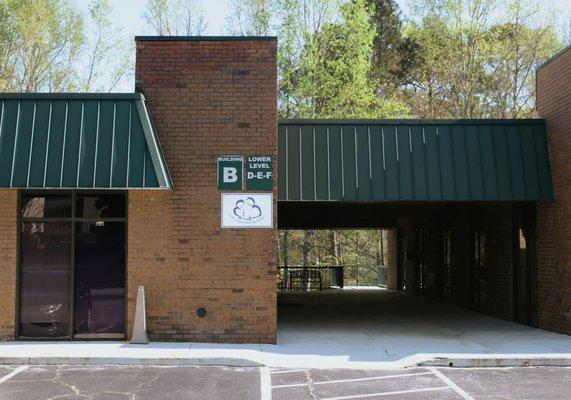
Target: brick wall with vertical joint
{"x": 554, "y": 218}
{"x": 8, "y": 257}
{"x": 206, "y": 98}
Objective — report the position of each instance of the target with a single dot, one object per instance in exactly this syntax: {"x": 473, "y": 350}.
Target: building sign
{"x": 230, "y": 172}
{"x": 247, "y": 210}
{"x": 260, "y": 173}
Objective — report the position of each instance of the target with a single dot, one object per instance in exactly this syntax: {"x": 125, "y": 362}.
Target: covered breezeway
{"x": 458, "y": 202}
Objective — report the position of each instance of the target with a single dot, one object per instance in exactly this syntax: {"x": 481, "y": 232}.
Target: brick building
{"x": 181, "y": 187}
{"x": 554, "y": 250}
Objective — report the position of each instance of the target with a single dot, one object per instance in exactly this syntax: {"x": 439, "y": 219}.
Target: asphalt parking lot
{"x": 208, "y": 383}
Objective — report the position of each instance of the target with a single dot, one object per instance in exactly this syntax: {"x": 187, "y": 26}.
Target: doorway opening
{"x": 71, "y": 269}
{"x": 428, "y": 267}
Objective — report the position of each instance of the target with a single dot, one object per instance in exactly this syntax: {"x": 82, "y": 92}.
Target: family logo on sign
{"x": 246, "y": 210}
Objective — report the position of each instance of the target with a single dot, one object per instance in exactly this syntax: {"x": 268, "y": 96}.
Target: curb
{"x": 449, "y": 362}
{"x": 225, "y": 362}
{"x": 496, "y": 362}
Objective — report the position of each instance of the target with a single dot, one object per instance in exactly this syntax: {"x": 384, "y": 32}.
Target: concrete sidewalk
{"x": 361, "y": 329}
{"x": 122, "y": 353}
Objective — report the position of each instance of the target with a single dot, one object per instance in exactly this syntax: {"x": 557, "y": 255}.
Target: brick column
{"x": 392, "y": 253}
{"x": 207, "y": 97}
{"x": 554, "y": 218}
{"x": 8, "y": 252}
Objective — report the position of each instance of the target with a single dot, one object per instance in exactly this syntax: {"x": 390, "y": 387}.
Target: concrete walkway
{"x": 364, "y": 326}
{"x": 368, "y": 329}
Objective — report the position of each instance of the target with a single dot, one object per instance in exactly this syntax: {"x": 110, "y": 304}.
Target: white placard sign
{"x": 247, "y": 210}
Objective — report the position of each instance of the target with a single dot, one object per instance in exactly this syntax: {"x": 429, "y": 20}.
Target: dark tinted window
{"x": 46, "y": 206}
{"x": 100, "y": 206}
{"x": 99, "y": 278}
{"x": 45, "y": 272}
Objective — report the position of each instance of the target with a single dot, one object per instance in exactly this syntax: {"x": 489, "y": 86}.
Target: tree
{"x": 335, "y": 79}
{"x": 298, "y": 22}
{"x": 394, "y": 55}
{"x": 249, "y": 17}
{"x": 45, "y": 45}
{"x": 451, "y": 36}
{"x": 175, "y": 17}
{"x": 40, "y": 44}
{"x": 516, "y": 47}
{"x": 472, "y": 68}
{"x": 359, "y": 251}
{"x": 108, "y": 57}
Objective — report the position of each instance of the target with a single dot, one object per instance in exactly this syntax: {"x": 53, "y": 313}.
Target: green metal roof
{"x": 414, "y": 160}
{"x": 84, "y": 141}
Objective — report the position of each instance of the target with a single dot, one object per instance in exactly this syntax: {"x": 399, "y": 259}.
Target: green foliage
{"x": 175, "y": 17}
{"x": 472, "y": 68}
{"x": 360, "y": 59}
{"x": 40, "y": 40}
{"x": 107, "y": 58}
{"x": 45, "y": 46}
{"x": 394, "y": 55}
{"x": 334, "y": 78}
{"x": 359, "y": 251}
{"x": 325, "y": 56}
{"x": 296, "y": 22}
{"x": 250, "y": 17}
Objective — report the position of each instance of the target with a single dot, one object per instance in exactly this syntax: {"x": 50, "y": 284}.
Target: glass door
{"x": 99, "y": 301}
{"x": 45, "y": 267}
{"x": 99, "y": 259}
{"x": 72, "y": 266}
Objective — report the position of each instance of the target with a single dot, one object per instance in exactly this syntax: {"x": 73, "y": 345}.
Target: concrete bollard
{"x": 140, "y": 325}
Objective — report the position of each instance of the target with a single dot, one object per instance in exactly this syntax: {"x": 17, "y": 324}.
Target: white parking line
{"x": 361, "y": 396}
{"x": 287, "y": 371}
{"x": 449, "y": 382}
{"x": 370, "y": 378}
{"x": 265, "y": 384}
{"x": 11, "y": 374}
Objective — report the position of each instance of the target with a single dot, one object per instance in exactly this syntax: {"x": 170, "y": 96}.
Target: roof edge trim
{"x": 72, "y": 96}
{"x": 554, "y": 57}
{"x": 531, "y": 121}
{"x": 203, "y": 38}
{"x": 155, "y": 150}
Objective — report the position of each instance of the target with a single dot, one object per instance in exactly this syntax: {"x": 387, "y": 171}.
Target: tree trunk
{"x": 306, "y": 254}
{"x": 381, "y": 255}
{"x": 334, "y": 246}
{"x": 285, "y": 249}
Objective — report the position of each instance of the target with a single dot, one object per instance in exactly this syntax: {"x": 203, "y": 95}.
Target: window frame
{"x": 72, "y": 219}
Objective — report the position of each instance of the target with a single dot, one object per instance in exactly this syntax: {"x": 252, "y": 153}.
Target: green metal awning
{"x": 79, "y": 141}
{"x": 414, "y": 160}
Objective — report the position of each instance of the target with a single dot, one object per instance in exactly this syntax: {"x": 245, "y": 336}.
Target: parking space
{"x": 421, "y": 383}
{"x": 213, "y": 383}
{"x": 130, "y": 383}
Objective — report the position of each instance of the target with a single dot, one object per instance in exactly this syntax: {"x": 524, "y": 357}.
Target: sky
{"x": 127, "y": 14}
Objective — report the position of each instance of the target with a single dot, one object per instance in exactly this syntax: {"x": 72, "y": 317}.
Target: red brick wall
{"x": 8, "y": 251}
{"x": 206, "y": 98}
{"x": 554, "y": 218}
{"x": 391, "y": 257}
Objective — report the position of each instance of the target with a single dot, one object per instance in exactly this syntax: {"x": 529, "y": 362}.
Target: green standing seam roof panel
{"x": 79, "y": 141}
{"x": 414, "y": 160}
